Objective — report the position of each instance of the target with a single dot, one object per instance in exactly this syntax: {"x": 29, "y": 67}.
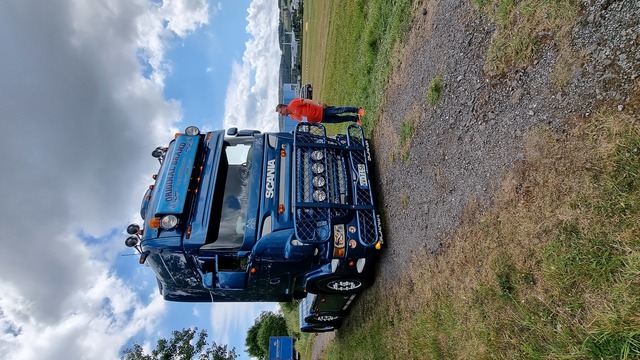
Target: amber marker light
{"x": 188, "y": 232}
{"x": 176, "y": 135}
{"x": 351, "y": 263}
{"x": 154, "y": 223}
{"x": 253, "y": 270}
{"x": 283, "y": 153}
{"x": 281, "y": 209}
{"x": 150, "y": 187}
{"x": 154, "y": 176}
{"x": 143, "y": 257}
{"x": 208, "y": 136}
{"x": 378, "y": 245}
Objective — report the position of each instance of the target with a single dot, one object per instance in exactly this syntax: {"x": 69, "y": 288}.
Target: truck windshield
{"x": 236, "y": 164}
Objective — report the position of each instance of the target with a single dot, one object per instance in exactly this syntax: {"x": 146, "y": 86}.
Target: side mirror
{"x": 131, "y": 241}
{"x": 133, "y": 229}
{"x": 232, "y": 131}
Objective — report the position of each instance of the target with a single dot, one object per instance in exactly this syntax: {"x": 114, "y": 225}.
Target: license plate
{"x": 362, "y": 176}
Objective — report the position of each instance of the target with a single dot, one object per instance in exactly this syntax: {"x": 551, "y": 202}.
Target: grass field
{"x": 524, "y": 27}
{"x": 552, "y": 271}
{"x": 348, "y": 50}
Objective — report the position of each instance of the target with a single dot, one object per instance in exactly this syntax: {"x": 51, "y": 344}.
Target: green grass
{"x": 304, "y": 341}
{"x": 349, "y": 48}
{"x": 366, "y": 342}
{"x": 523, "y": 27}
{"x": 407, "y": 129}
{"x": 552, "y": 269}
{"x": 434, "y": 91}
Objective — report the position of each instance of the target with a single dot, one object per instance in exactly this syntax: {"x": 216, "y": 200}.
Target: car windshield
{"x": 236, "y": 158}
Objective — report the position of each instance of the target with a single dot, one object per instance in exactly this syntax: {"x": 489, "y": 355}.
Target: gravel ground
{"x": 461, "y": 148}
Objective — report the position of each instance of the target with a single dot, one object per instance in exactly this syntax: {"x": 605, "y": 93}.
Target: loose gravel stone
{"x": 462, "y": 147}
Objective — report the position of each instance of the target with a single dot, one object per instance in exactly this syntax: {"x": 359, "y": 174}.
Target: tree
{"x": 182, "y": 347}
{"x": 251, "y": 342}
{"x": 267, "y": 324}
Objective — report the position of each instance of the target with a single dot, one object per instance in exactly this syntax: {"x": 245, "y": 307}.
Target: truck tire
{"x": 327, "y": 320}
{"x": 317, "y": 328}
{"x": 338, "y": 285}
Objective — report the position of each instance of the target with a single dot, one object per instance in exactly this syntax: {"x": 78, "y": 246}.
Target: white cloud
{"x": 76, "y": 114}
{"x": 235, "y": 318}
{"x": 160, "y": 24}
{"x": 253, "y": 91}
{"x": 216, "y": 10}
{"x": 95, "y": 324}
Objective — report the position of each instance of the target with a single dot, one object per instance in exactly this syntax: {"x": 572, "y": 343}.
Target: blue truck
{"x": 281, "y": 348}
{"x": 250, "y": 216}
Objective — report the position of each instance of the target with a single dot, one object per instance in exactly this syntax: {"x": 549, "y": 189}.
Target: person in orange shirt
{"x": 317, "y": 112}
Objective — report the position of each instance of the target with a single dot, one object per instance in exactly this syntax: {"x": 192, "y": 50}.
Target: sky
{"x": 88, "y": 88}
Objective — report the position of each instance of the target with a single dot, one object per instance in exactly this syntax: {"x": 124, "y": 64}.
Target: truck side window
{"x": 233, "y": 207}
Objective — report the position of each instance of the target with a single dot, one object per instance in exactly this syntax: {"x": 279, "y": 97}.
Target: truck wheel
{"x": 327, "y": 320}
{"x": 317, "y": 328}
{"x": 338, "y": 285}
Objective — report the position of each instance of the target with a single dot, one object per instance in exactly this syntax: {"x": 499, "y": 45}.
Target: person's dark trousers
{"x": 338, "y": 114}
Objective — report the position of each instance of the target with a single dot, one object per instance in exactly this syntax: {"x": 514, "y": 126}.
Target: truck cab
{"x": 247, "y": 216}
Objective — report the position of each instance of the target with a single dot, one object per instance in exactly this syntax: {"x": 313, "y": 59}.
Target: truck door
{"x": 232, "y": 272}
{"x": 224, "y": 271}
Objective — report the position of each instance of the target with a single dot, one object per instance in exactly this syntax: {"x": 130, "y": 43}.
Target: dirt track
{"x": 461, "y": 148}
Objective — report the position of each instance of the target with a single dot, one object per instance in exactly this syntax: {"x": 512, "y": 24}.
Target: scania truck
{"x": 250, "y": 216}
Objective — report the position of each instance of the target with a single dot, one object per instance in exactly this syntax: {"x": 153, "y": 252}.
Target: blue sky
{"x": 87, "y": 89}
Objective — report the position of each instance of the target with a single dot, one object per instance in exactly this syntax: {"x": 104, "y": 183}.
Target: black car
{"x": 306, "y": 92}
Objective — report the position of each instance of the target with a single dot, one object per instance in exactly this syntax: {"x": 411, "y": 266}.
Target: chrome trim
{"x": 266, "y": 226}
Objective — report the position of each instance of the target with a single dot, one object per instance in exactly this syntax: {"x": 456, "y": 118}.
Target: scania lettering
{"x": 271, "y": 170}
{"x": 246, "y": 216}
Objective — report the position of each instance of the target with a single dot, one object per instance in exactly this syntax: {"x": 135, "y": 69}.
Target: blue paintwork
{"x": 175, "y": 176}
{"x": 267, "y": 263}
{"x": 281, "y": 348}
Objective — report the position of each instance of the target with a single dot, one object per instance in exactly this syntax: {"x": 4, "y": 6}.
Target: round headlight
{"x": 192, "y": 130}
{"x": 169, "y": 222}
{"x": 319, "y": 196}
{"x": 317, "y": 168}
{"x": 317, "y": 155}
{"x": 318, "y": 181}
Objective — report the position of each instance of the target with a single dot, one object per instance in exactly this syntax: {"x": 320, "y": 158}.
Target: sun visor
{"x": 176, "y": 175}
